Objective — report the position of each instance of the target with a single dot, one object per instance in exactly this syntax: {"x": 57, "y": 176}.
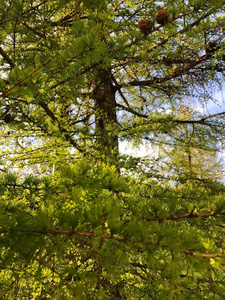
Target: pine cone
{"x": 145, "y": 26}
{"x": 7, "y": 118}
{"x": 162, "y": 17}
{"x": 212, "y": 47}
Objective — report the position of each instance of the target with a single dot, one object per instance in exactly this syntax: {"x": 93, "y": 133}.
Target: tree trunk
{"x": 105, "y": 116}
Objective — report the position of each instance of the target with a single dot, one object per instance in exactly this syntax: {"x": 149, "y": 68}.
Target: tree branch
{"x": 24, "y": 13}
{"x": 35, "y": 31}
{"x": 175, "y": 74}
{"x": 176, "y": 217}
{"x": 205, "y": 255}
{"x": 62, "y": 130}
{"x": 7, "y": 58}
{"x": 131, "y": 110}
{"x": 109, "y": 237}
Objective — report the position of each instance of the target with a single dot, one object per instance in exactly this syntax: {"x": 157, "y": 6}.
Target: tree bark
{"x": 105, "y": 112}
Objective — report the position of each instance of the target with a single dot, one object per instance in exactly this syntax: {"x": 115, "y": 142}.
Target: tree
{"x": 80, "y": 220}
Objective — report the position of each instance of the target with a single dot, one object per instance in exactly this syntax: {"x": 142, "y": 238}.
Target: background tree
{"x": 80, "y": 220}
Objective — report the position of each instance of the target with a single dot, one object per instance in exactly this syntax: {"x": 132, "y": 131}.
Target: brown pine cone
{"x": 162, "y": 17}
{"x": 145, "y": 26}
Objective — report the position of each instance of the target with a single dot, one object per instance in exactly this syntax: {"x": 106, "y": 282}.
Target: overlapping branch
{"x": 110, "y": 237}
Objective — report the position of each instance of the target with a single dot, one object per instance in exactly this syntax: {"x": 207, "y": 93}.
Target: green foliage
{"x": 79, "y": 219}
{"x": 115, "y": 233}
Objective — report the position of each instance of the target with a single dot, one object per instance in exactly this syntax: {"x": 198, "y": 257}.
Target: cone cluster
{"x": 162, "y": 17}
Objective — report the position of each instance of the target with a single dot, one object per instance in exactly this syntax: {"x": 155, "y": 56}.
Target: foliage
{"x": 79, "y": 219}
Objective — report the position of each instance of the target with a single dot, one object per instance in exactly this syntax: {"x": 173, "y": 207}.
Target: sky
{"x": 214, "y": 106}
{"x": 218, "y": 105}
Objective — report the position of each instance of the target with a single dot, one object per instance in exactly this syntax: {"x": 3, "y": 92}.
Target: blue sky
{"x": 214, "y": 106}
